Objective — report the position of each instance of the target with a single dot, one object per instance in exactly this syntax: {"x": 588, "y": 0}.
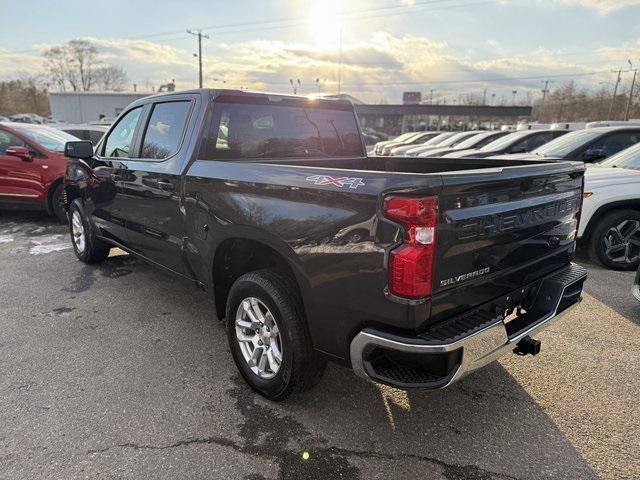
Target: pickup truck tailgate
{"x": 500, "y": 228}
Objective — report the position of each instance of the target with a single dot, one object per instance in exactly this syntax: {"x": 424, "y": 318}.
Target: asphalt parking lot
{"x": 120, "y": 371}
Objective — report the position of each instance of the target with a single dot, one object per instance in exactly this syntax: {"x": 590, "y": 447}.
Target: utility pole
{"x": 199, "y": 34}
{"x": 431, "y": 96}
{"x": 484, "y": 97}
{"x": 633, "y": 84}
{"x": 513, "y": 101}
{"x": 613, "y": 97}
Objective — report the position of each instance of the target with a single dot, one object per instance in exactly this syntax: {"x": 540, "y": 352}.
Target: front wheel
{"x": 615, "y": 242}
{"x": 268, "y": 338}
{"x": 57, "y": 203}
{"x": 86, "y": 246}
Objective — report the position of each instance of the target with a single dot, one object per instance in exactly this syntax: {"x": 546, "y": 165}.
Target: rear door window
{"x": 249, "y": 131}
{"x": 164, "y": 130}
{"x": 119, "y": 141}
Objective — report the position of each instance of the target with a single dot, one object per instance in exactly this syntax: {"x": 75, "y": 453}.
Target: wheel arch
{"x": 602, "y": 211}
{"x": 236, "y": 255}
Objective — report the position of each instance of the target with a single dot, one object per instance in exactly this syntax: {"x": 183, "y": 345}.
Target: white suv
{"x": 610, "y": 222}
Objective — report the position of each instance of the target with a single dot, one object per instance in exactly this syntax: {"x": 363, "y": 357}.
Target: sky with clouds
{"x": 385, "y": 47}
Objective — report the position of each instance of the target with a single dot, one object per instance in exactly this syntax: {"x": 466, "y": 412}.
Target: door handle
{"x": 165, "y": 185}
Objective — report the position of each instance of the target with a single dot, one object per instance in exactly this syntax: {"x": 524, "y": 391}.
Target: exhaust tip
{"x": 528, "y": 346}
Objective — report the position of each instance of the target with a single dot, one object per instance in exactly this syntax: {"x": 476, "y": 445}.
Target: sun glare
{"x": 325, "y": 24}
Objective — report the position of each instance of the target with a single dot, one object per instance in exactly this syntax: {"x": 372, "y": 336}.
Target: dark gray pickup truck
{"x": 412, "y": 271}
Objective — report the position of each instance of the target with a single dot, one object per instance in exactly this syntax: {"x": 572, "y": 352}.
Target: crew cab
{"x": 610, "y": 223}
{"x": 32, "y": 166}
{"x": 411, "y": 271}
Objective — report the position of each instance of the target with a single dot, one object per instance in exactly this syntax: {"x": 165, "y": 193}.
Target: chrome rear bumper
{"x": 404, "y": 359}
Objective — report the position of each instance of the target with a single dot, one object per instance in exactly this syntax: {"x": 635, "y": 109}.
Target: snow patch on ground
{"x": 48, "y": 244}
{"x": 6, "y": 239}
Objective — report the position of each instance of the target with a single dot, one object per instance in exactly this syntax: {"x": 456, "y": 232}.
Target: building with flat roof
{"x": 83, "y": 107}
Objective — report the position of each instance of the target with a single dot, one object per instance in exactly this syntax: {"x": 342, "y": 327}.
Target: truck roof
{"x": 216, "y": 92}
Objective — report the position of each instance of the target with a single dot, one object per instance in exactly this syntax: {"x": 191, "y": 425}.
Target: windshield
{"x": 564, "y": 145}
{"x": 423, "y": 138}
{"x": 457, "y": 138}
{"x": 505, "y": 141}
{"x": 629, "y": 158}
{"x": 404, "y": 137}
{"x": 437, "y": 139}
{"x": 49, "y": 138}
{"x": 473, "y": 141}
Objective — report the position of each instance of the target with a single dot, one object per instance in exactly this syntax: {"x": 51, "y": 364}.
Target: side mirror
{"x": 22, "y": 153}
{"x": 80, "y": 149}
{"x": 518, "y": 149}
{"x": 594, "y": 154}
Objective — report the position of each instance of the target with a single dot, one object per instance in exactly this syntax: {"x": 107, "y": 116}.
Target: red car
{"x": 32, "y": 167}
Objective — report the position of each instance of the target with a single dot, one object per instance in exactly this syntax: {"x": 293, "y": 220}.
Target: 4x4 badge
{"x": 338, "y": 182}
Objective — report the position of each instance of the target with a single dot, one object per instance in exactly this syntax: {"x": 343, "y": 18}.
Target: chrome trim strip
{"x": 478, "y": 349}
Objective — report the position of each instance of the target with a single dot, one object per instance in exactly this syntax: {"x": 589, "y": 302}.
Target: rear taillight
{"x": 411, "y": 264}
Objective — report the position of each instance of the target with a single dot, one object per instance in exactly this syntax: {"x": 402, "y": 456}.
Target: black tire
{"x": 94, "y": 250}
{"x": 602, "y": 233}
{"x": 301, "y": 367}
{"x": 57, "y": 203}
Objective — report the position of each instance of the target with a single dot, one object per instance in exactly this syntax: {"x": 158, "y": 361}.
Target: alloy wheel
{"x": 77, "y": 230}
{"x": 258, "y": 337}
{"x": 622, "y": 242}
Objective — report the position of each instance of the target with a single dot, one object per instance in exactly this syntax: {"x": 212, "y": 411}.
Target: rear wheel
{"x": 268, "y": 337}
{"x": 86, "y": 246}
{"x": 615, "y": 242}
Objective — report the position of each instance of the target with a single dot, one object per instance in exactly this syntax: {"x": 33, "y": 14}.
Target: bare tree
{"x": 76, "y": 66}
{"x": 111, "y": 77}
{"x": 84, "y": 58}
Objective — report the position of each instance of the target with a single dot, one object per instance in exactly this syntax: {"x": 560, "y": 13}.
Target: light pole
{"x": 513, "y": 101}
{"x": 295, "y": 85}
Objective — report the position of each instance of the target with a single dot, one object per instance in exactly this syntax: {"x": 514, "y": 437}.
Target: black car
{"x": 636, "y": 286}
{"x": 516, "y": 142}
{"x": 588, "y": 145}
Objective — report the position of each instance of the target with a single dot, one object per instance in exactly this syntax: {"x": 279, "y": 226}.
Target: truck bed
{"x": 408, "y": 164}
